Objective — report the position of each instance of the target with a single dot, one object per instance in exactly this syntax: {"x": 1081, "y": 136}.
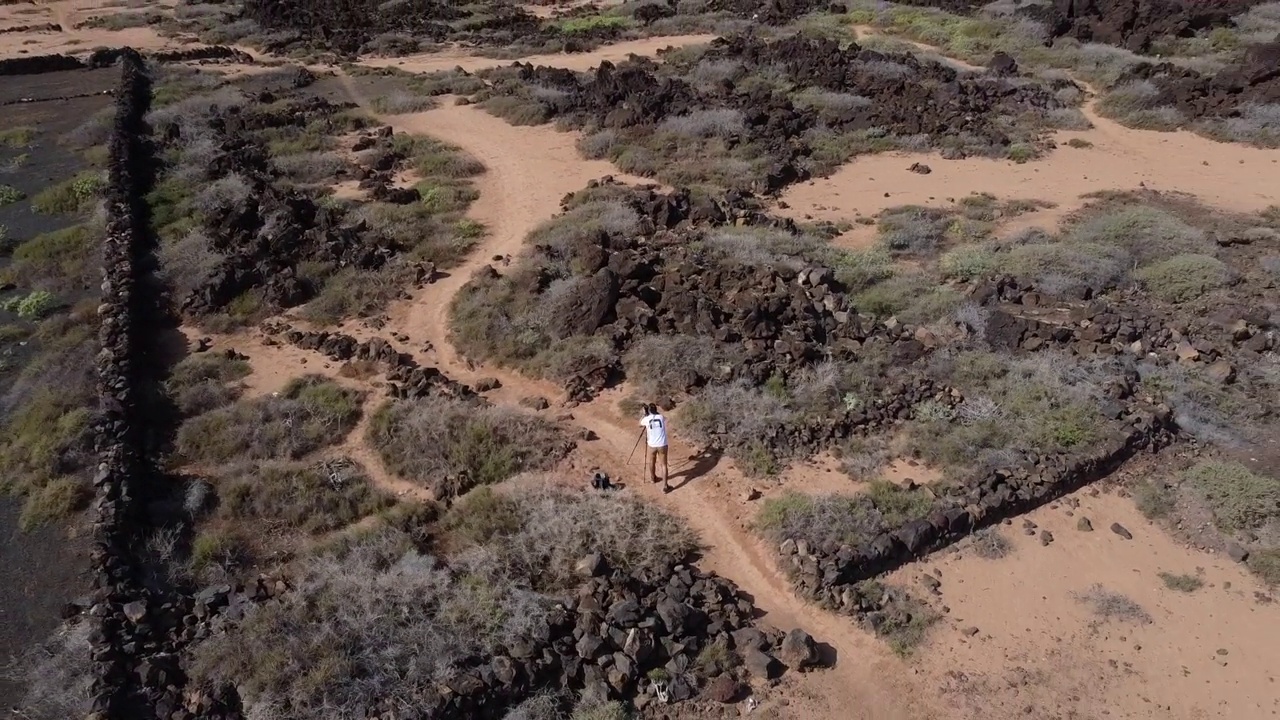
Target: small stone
{"x": 751, "y": 495}
{"x": 1121, "y": 530}
{"x": 1083, "y": 524}
{"x": 1046, "y": 537}
{"x": 1222, "y": 651}
{"x": 970, "y": 631}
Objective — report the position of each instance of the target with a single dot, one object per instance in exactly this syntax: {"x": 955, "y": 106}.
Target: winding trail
{"x": 520, "y": 189}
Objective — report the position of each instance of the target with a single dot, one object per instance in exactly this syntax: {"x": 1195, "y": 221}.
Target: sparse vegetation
{"x": 1182, "y": 583}
{"x": 1110, "y": 605}
{"x": 71, "y": 195}
{"x": 990, "y": 544}
{"x": 1240, "y": 499}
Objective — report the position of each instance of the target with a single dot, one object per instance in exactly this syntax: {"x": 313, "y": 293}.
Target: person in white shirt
{"x": 653, "y": 426}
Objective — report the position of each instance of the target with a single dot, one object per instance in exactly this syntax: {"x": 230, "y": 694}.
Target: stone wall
{"x": 830, "y": 576}
{"x": 118, "y": 612}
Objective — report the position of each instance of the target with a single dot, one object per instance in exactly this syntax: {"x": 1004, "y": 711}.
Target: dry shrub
{"x": 663, "y": 365}
{"x": 310, "y": 413}
{"x": 853, "y": 520}
{"x": 58, "y": 676}
{"x": 314, "y": 498}
{"x": 558, "y": 528}
{"x": 436, "y": 437}
{"x": 376, "y": 624}
{"x": 1110, "y": 605}
{"x": 202, "y": 382}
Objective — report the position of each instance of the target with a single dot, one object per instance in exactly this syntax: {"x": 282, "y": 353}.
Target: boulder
{"x": 798, "y": 650}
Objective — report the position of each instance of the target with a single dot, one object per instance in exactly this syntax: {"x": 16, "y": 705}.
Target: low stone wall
{"x": 38, "y": 64}
{"x": 829, "y": 575}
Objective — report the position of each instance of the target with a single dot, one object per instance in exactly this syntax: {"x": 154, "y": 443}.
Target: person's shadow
{"x": 702, "y": 463}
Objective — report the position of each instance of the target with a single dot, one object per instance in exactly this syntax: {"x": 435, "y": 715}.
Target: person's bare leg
{"x": 650, "y": 463}
{"x": 666, "y": 472}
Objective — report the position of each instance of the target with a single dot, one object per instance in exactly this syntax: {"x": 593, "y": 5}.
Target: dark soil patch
{"x": 39, "y": 572}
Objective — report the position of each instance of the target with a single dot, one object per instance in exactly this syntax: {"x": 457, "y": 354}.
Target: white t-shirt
{"x": 656, "y": 425}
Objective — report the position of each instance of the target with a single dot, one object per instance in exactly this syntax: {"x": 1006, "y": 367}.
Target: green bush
{"x": 200, "y": 383}
{"x": 1145, "y": 234}
{"x": 1266, "y": 565}
{"x": 1184, "y": 278}
{"x": 483, "y": 515}
{"x": 969, "y": 262}
{"x": 219, "y": 547}
{"x": 853, "y": 520}
{"x": 1240, "y": 499}
{"x": 592, "y": 23}
{"x": 1154, "y": 500}
{"x": 38, "y": 433}
{"x": 71, "y": 195}
{"x": 32, "y": 306}
{"x": 10, "y": 195}
{"x": 57, "y": 500}
{"x": 65, "y": 258}
{"x": 17, "y": 137}
{"x": 913, "y": 230}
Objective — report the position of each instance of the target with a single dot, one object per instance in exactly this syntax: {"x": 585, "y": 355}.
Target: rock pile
{"x": 1098, "y": 327}
{"x": 1135, "y": 25}
{"x": 38, "y": 64}
{"x": 407, "y": 379}
{"x": 962, "y": 111}
{"x": 264, "y": 233}
{"x": 642, "y": 637}
{"x": 1255, "y": 80}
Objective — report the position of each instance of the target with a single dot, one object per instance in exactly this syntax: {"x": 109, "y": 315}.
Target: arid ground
{"x": 1145, "y": 591}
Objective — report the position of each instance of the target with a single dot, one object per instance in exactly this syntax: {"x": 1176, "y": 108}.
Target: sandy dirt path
{"x": 73, "y": 40}
{"x": 1210, "y": 653}
{"x": 1225, "y": 175}
{"x": 615, "y": 53}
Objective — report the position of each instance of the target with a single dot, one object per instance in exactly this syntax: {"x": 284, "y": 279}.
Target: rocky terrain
{"x": 346, "y": 402}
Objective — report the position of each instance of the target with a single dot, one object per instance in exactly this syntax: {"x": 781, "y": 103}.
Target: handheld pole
{"x": 633, "y": 449}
